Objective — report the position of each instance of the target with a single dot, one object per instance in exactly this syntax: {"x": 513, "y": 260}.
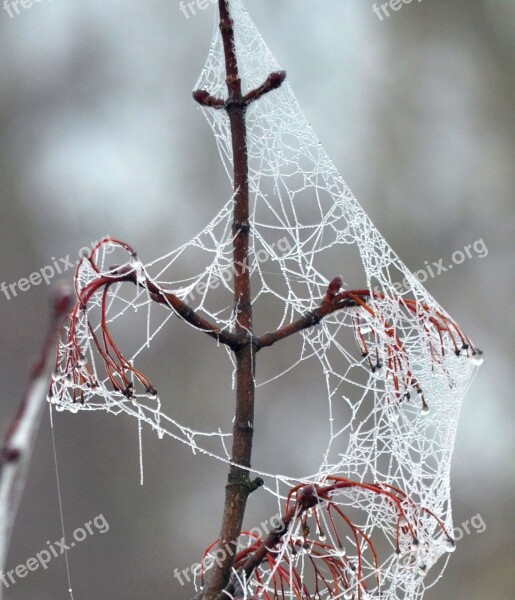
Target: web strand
{"x": 61, "y": 513}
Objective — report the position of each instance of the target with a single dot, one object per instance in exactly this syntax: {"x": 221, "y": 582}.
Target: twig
{"x": 330, "y": 304}
{"x": 19, "y": 440}
{"x": 239, "y": 486}
{"x": 161, "y": 296}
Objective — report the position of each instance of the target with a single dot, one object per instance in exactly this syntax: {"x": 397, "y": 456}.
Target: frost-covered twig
{"x": 158, "y": 295}
{"x": 239, "y": 485}
{"x": 332, "y": 302}
{"x": 21, "y": 434}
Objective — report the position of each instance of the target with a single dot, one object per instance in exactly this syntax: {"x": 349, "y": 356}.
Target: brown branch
{"x": 264, "y": 549}
{"x": 330, "y": 304}
{"x": 307, "y": 497}
{"x": 190, "y": 316}
{"x": 205, "y": 99}
{"x": 19, "y": 440}
{"x": 304, "y": 497}
{"x": 273, "y": 81}
{"x": 165, "y": 298}
{"x": 238, "y": 485}
{"x": 242, "y": 341}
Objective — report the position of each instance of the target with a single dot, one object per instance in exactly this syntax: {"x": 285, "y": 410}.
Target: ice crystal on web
{"x": 400, "y": 363}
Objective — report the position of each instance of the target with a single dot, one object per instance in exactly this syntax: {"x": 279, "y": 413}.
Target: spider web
{"x": 400, "y": 373}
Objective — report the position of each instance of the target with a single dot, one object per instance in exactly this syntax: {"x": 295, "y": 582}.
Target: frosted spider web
{"x": 399, "y": 364}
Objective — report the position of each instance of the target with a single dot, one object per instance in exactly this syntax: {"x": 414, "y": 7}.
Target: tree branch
{"x": 331, "y": 303}
{"x": 161, "y": 296}
{"x": 21, "y": 434}
{"x": 237, "y": 489}
{"x": 238, "y": 485}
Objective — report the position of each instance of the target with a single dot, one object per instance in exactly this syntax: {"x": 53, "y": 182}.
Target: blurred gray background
{"x": 99, "y": 135}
